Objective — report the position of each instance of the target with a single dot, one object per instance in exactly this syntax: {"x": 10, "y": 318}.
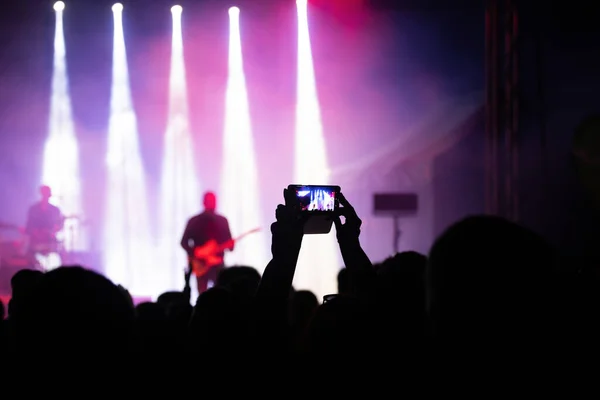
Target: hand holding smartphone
{"x": 319, "y": 203}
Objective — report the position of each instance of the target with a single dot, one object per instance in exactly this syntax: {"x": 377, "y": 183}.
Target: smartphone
{"x": 329, "y": 297}
{"x": 319, "y": 202}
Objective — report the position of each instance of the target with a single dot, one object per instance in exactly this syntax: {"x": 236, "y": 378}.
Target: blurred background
{"x": 470, "y": 106}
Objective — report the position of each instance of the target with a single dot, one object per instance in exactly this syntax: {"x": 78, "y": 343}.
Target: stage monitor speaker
{"x": 395, "y": 204}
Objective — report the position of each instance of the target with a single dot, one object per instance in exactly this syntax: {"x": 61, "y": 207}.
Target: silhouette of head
{"x": 488, "y": 277}
{"x": 23, "y": 284}
{"x": 335, "y": 328}
{"x": 45, "y": 193}
{"x": 177, "y": 307}
{"x": 23, "y": 281}
{"x": 241, "y": 281}
{"x": 400, "y": 296}
{"x": 210, "y": 201}
{"x": 303, "y": 305}
{"x": 167, "y": 299}
{"x": 152, "y": 327}
{"x": 74, "y": 308}
{"x": 216, "y": 320}
{"x": 586, "y": 155}
{"x": 150, "y": 312}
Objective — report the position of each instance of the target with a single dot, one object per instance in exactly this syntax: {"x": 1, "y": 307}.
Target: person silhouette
{"x": 203, "y": 228}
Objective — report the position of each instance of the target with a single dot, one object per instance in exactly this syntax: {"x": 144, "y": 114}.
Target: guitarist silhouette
{"x": 208, "y": 228}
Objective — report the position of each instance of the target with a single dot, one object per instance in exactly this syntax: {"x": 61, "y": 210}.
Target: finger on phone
{"x": 341, "y": 212}
{"x": 278, "y": 211}
{"x": 290, "y": 197}
{"x": 344, "y": 201}
{"x": 337, "y": 221}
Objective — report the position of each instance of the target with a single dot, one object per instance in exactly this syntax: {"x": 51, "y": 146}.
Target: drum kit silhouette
{"x": 17, "y": 253}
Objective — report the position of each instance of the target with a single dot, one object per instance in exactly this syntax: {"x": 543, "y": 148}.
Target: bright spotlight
{"x": 61, "y": 151}
{"x": 118, "y": 7}
{"x": 176, "y": 9}
{"x": 319, "y": 260}
{"x": 128, "y": 247}
{"x": 239, "y": 171}
{"x": 301, "y": 3}
{"x": 179, "y": 188}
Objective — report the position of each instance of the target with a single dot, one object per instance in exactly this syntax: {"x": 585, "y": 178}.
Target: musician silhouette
{"x": 44, "y": 221}
{"x": 203, "y": 229}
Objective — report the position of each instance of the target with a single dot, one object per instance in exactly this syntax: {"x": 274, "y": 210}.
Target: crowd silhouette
{"x": 487, "y": 286}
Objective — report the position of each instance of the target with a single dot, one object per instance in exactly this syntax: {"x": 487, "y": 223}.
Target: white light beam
{"x": 240, "y": 190}
{"x": 180, "y": 189}
{"x": 61, "y": 152}
{"x": 128, "y": 258}
{"x": 319, "y": 261}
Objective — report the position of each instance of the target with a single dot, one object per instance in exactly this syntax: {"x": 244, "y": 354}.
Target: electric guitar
{"x": 209, "y": 254}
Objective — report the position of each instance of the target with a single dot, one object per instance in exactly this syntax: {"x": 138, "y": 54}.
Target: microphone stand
{"x": 397, "y": 234}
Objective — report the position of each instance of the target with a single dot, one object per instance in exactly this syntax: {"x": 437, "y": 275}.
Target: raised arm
{"x": 355, "y": 259}
{"x": 287, "y": 234}
{"x": 276, "y": 283}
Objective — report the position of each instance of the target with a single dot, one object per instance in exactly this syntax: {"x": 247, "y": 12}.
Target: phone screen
{"x": 317, "y": 198}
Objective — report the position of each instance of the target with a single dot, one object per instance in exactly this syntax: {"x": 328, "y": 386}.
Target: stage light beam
{"x": 177, "y": 9}
{"x": 128, "y": 258}
{"x": 319, "y": 262}
{"x": 61, "y": 152}
{"x": 180, "y": 196}
{"x": 240, "y": 190}
{"x": 117, "y": 7}
{"x": 59, "y": 6}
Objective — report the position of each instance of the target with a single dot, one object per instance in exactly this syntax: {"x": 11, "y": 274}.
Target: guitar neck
{"x": 229, "y": 243}
{"x": 223, "y": 246}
